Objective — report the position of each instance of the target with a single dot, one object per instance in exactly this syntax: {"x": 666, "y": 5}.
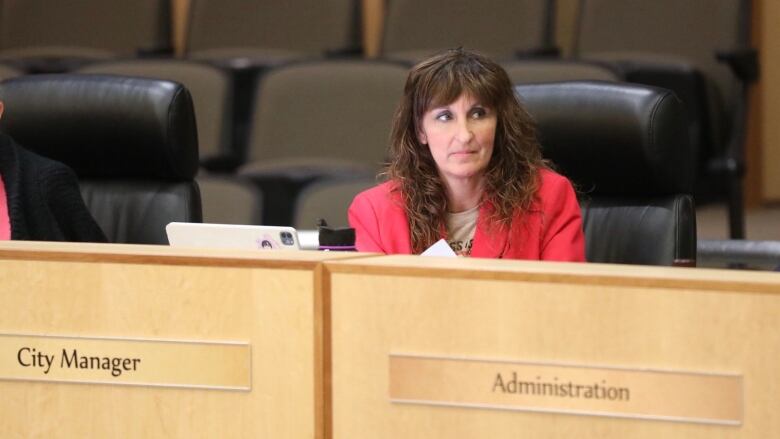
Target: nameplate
{"x": 563, "y": 388}
{"x": 126, "y": 361}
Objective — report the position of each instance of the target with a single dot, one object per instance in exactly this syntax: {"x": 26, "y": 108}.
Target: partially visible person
{"x": 465, "y": 165}
{"x": 40, "y": 198}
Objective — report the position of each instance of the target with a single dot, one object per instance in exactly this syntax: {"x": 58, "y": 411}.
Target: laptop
{"x": 232, "y": 236}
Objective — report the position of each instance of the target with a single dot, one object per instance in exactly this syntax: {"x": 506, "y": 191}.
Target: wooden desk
{"x": 626, "y": 317}
{"x": 268, "y": 300}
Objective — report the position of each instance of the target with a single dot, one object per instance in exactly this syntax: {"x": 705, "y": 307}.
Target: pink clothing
{"x": 552, "y": 230}
{"x": 5, "y": 220}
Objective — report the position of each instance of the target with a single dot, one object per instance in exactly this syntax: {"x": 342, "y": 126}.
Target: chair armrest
{"x": 282, "y": 181}
{"x": 539, "y": 52}
{"x": 681, "y": 77}
{"x": 347, "y": 52}
{"x": 303, "y": 169}
{"x": 743, "y": 63}
{"x": 221, "y": 163}
{"x": 155, "y": 52}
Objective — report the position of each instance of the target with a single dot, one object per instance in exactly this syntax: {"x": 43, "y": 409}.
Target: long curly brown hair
{"x": 511, "y": 178}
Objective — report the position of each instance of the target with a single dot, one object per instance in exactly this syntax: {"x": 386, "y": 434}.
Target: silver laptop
{"x": 232, "y": 236}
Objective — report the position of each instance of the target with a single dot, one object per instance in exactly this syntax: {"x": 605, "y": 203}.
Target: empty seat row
{"x": 236, "y": 32}
{"x": 43, "y": 35}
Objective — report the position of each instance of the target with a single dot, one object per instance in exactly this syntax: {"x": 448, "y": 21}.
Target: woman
{"x": 40, "y": 198}
{"x": 465, "y": 165}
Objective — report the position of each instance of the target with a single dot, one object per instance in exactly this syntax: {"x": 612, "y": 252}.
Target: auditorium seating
{"x": 238, "y": 33}
{"x": 699, "y": 49}
{"x": 537, "y": 71}
{"x": 248, "y": 37}
{"x": 625, "y": 148}
{"x": 55, "y": 36}
{"x": 229, "y": 199}
{"x": 338, "y": 110}
{"x": 502, "y": 29}
{"x": 329, "y": 200}
{"x": 319, "y": 119}
{"x": 131, "y": 141}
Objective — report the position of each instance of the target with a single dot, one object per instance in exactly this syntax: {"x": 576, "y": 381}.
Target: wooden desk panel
{"x": 583, "y": 314}
{"x": 265, "y": 299}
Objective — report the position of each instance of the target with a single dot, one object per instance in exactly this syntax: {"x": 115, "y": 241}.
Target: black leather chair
{"x": 131, "y": 141}
{"x": 701, "y": 50}
{"x": 626, "y": 149}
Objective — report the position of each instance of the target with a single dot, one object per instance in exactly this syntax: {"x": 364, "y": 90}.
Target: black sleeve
{"x": 63, "y": 196}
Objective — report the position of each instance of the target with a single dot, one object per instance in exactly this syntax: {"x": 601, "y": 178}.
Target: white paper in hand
{"x": 440, "y": 248}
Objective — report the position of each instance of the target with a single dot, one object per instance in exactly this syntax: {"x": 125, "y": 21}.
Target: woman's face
{"x": 460, "y": 136}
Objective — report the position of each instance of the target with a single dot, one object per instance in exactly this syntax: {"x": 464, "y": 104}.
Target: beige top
{"x": 460, "y": 230}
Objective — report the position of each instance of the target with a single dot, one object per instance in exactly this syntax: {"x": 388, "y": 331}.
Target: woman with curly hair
{"x": 465, "y": 166}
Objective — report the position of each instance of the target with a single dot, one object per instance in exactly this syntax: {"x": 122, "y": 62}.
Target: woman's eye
{"x": 444, "y": 117}
{"x": 478, "y": 113}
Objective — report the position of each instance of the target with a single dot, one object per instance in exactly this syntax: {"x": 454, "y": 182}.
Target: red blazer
{"x": 551, "y": 230}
